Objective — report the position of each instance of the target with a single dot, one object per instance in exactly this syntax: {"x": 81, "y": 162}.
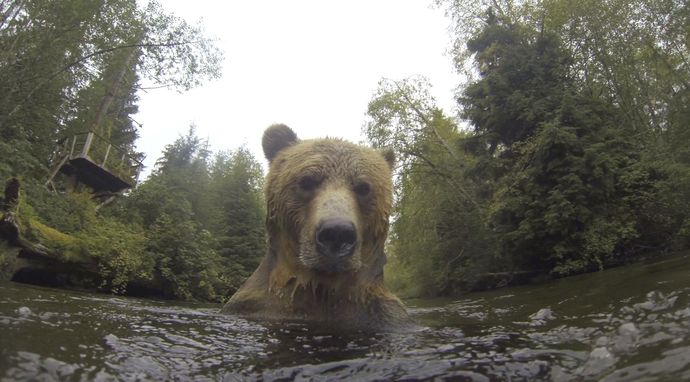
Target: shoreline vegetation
{"x": 568, "y": 152}
{"x": 151, "y": 242}
{"x": 33, "y": 253}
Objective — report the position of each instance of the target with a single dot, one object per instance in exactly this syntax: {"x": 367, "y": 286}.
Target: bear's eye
{"x": 308, "y": 183}
{"x": 362, "y": 189}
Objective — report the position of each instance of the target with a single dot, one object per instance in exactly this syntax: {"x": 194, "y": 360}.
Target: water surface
{"x": 628, "y": 323}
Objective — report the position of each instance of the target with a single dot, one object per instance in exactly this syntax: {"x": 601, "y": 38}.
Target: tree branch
{"x": 81, "y": 60}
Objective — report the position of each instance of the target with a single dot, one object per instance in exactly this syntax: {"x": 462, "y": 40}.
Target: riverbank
{"x": 27, "y": 262}
{"x": 111, "y": 257}
{"x": 24, "y": 261}
{"x": 33, "y": 263}
{"x": 34, "y": 253}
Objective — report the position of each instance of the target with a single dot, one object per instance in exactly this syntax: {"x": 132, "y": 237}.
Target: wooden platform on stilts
{"x": 93, "y": 161}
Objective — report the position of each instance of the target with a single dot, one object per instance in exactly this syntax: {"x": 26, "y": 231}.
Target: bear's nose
{"x": 336, "y": 237}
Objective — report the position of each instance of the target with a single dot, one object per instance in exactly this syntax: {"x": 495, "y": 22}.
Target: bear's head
{"x": 328, "y": 204}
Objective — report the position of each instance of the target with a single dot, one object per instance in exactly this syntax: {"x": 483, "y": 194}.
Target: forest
{"x": 193, "y": 229}
{"x": 569, "y": 150}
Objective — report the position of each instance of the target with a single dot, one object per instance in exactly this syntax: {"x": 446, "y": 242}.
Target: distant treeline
{"x": 570, "y": 152}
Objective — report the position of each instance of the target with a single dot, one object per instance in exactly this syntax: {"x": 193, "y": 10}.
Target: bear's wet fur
{"x": 328, "y": 203}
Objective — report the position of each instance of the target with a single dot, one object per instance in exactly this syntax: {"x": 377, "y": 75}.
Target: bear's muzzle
{"x": 336, "y": 238}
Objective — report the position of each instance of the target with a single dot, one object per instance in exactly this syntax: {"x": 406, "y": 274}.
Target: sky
{"x": 311, "y": 64}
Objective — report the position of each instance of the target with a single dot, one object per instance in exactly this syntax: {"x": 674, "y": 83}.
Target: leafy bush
{"x": 119, "y": 251}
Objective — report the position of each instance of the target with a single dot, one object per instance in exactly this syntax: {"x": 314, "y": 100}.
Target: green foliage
{"x": 114, "y": 249}
{"x": 185, "y": 258}
{"x": 438, "y": 240}
{"x": 571, "y": 207}
{"x": 118, "y": 250}
{"x": 73, "y": 65}
{"x": 196, "y": 225}
{"x": 174, "y": 52}
{"x": 71, "y": 211}
{"x": 577, "y": 158}
{"x": 203, "y": 218}
{"x": 238, "y": 224}
{"x": 632, "y": 53}
{"x": 194, "y": 228}
{"x": 16, "y": 159}
{"x": 522, "y": 79}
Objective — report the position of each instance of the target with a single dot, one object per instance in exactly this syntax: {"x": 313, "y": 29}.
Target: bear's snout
{"x": 336, "y": 238}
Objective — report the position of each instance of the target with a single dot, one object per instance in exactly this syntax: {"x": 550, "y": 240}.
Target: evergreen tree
{"x": 572, "y": 204}
{"x": 203, "y": 218}
{"x": 572, "y": 182}
{"x": 236, "y": 187}
{"x": 523, "y": 76}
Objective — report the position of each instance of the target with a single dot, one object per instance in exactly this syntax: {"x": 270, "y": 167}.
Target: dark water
{"x": 630, "y": 323}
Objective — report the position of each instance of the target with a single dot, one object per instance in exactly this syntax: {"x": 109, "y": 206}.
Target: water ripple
{"x": 634, "y": 326}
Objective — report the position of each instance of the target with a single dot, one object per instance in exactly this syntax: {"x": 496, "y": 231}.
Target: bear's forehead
{"x": 334, "y": 156}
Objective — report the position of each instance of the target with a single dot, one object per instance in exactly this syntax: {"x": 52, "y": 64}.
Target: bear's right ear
{"x": 276, "y": 138}
{"x": 389, "y": 156}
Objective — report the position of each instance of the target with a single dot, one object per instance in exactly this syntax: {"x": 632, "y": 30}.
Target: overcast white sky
{"x": 311, "y": 64}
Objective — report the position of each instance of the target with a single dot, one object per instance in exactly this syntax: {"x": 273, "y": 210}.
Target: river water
{"x": 628, "y": 323}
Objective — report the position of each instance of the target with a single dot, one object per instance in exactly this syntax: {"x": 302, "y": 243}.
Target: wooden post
{"x": 107, "y": 152}
{"x": 87, "y": 144}
{"x": 57, "y": 169}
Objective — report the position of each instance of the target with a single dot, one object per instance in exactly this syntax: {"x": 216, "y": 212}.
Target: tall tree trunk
{"x": 112, "y": 89}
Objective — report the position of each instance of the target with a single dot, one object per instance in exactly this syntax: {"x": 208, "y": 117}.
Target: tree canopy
{"x": 71, "y": 66}
{"x": 561, "y": 160}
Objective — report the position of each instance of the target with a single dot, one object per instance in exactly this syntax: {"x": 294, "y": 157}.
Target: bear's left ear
{"x": 389, "y": 156}
{"x": 276, "y": 138}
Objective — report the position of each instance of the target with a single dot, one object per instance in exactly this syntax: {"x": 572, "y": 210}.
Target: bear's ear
{"x": 276, "y": 138}
{"x": 389, "y": 156}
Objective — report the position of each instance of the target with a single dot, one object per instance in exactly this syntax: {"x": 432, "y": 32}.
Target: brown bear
{"x": 328, "y": 203}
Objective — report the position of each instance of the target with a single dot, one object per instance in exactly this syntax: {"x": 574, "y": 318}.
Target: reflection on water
{"x": 625, "y": 324}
